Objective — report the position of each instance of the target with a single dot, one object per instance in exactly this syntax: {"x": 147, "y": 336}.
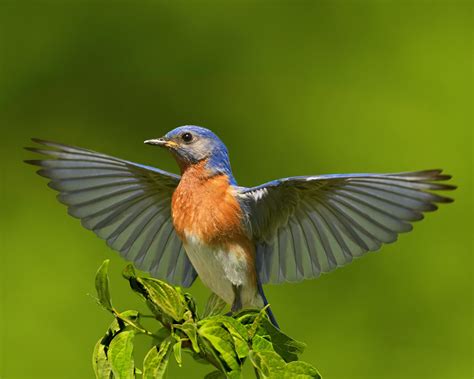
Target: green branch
{"x": 224, "y": 342}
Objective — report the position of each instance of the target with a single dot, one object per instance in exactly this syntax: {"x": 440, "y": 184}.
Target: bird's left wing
{"x": 305, "y": 226}
{"x": 126, "y": 204}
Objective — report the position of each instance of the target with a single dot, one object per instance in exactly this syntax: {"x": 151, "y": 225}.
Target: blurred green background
{"x": 292, "y": 88}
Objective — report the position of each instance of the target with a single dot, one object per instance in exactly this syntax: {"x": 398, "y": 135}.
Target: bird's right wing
{"x": 305, "y": 226}
{"x": 126, "y": 204}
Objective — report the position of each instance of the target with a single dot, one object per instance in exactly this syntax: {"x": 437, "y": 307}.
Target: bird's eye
{"x": 187, "y": 137}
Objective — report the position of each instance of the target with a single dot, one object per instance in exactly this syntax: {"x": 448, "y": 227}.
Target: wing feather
{"x": 305, "y": 226}
{"x": 124, "y": 203}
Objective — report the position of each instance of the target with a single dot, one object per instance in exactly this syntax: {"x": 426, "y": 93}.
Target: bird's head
{"x": 191, "y": 145}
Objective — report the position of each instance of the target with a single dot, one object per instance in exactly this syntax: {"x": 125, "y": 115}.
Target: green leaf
{"x": 215, "y": 375}
{"x": 212, "y": 355}
{"x": 129, "y": 272}
{"x": 238, "y": 332}
{"x": 267, "y": 363}
{"x": 102, "y": 285}
{"x": 177, "y": 353}
{"x": 156, "y": 361}
{"x": 117, "y": 326}
{"x": 258, "y": 320}
{"x": 214, "y": 306}
{"x": 237, "y": 374}
{"x": 270, "y": 365}
{"x": 260, "y": 343}
{"x": 285, "y": 346}
{"x": 247, "y": 316}
{"x": 165, "y": 297}
{"x": 190, "y": 330}
{"x": 191, "y": 305}
{"x": 120, "y": 355}
{"x": 100, "y": 364}
{"x": 301, "y": 370}
{"x": 222, "y": 342}
{"x": 130, "y": 314}
{"x": 131, "y": 320}
{"x": 232, "y": 324}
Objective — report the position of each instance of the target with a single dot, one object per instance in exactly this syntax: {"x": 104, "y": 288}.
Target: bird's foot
{"x": 237, "y": 304}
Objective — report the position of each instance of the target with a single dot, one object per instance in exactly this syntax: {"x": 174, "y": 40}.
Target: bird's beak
{"x": 161, "y": 142}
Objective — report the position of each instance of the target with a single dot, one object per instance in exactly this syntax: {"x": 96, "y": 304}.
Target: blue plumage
{"x": 210, "y": 146}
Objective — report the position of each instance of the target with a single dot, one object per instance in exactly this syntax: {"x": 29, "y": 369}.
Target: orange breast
{"x": 205, "y": 207}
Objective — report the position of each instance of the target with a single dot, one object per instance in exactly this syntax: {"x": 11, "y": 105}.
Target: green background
{"x": 292, "y": 88}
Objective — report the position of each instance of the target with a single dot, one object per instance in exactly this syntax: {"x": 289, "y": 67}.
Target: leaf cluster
{"x": 226, "y": 342}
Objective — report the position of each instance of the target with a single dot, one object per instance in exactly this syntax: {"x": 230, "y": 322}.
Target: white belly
{"x": 220, "y": 270}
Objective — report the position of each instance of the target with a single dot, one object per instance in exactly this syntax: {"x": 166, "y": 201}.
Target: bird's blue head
{"x": 192, "y": 144}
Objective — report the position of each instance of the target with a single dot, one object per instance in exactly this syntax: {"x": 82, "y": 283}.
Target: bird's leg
{"x": 237, "y": 304}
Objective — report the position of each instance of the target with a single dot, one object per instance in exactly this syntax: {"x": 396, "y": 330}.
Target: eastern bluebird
{"x": 235, "y": 238}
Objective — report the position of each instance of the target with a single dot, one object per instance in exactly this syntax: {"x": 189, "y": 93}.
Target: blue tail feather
{"x": 270, "y": 314}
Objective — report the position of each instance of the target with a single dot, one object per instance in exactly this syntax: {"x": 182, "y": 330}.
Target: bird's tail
{"x": 270, "y": 314}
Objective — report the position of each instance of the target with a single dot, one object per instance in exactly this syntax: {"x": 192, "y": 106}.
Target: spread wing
{"x": 305, "y": 226}
{"x": 126, "y": 204}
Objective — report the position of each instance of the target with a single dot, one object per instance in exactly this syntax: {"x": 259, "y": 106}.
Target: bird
{"x": 235, "y": 238}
